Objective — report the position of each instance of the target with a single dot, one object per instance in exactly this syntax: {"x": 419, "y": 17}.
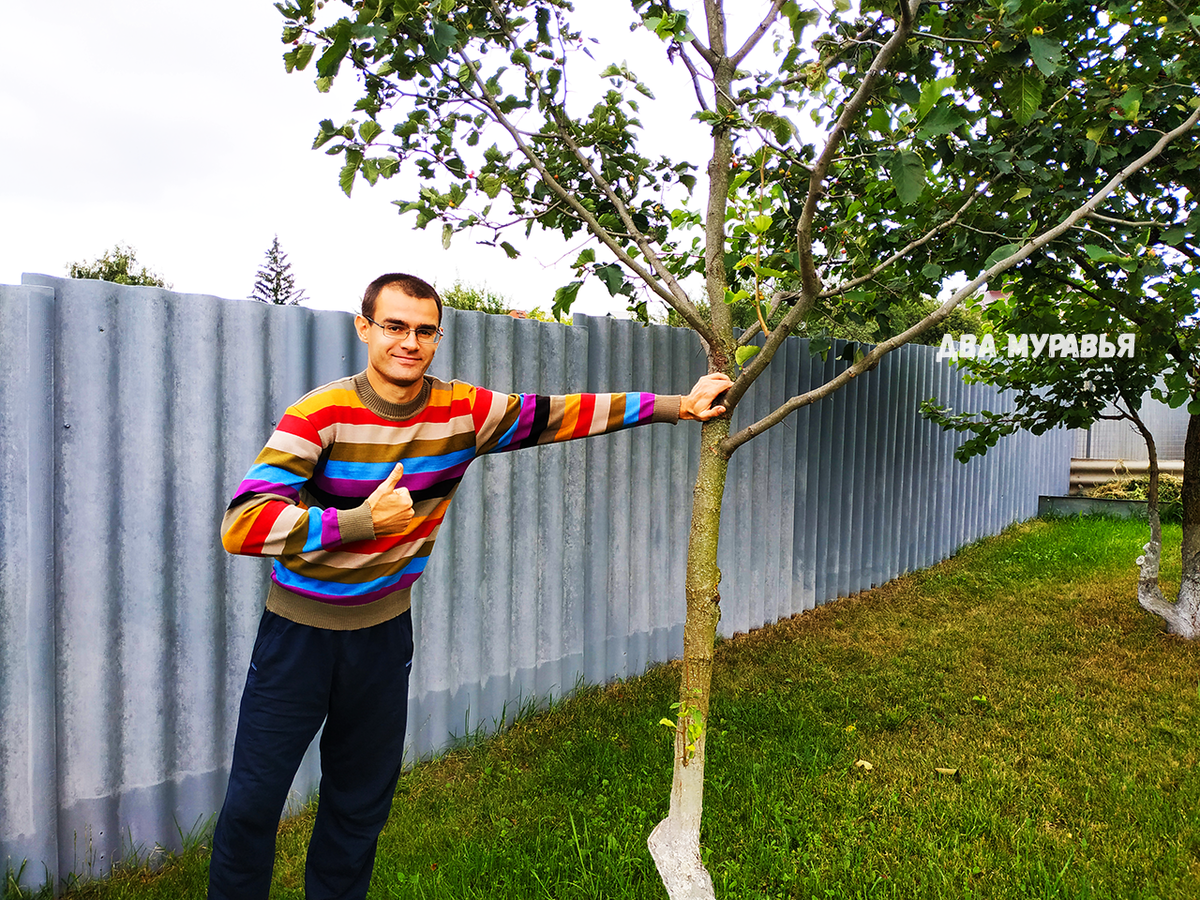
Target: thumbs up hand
{"x": 391, "y": 506}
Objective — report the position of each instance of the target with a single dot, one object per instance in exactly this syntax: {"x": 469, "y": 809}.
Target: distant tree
{"x": 275, "y": 282}
{"x": 118, "y": 265}
{"x": 464, "y": 296}
{"x": 480, "y": 299}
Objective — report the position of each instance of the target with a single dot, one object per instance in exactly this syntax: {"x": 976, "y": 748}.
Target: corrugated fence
{"x": 128, "y": 415}
{"x": 1118, "y": 439}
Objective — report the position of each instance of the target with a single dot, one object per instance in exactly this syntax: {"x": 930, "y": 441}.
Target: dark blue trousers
{"x": 356, "y": 682}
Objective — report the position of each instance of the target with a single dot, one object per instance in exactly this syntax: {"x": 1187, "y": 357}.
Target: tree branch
{"x": 1111, "y": 221}
{"x": 673, "y": 294}
{"x": 871, "y": 359}
{"x": 900, "y": 254}
{"x": 810, "y": 282}
{"x": 695, "y": 77}
{"x": 714, "y": 16}
{"x": 777, "y": 300}
{"x": 757, "y": 35}
{"x": 820, "y": 169}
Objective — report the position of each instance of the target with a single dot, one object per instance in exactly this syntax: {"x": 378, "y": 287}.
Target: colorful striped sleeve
{"x": 267, "y": 517}
{"x": 512, "y": 421}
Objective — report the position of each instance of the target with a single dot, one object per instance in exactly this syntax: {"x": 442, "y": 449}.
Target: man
{"x": 348, "y": 496}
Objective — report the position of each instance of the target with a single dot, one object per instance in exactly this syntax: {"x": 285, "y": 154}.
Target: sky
{"x": 173, "y": 127}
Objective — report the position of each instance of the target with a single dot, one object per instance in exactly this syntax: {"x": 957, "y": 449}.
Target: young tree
{"x": 1143, "y": 283}
{"x": 118, "y": 265}
{"x": 953, "y": 138}
{"x": 275, "y": 282}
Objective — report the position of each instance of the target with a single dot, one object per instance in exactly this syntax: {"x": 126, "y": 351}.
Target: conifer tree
{"x": 275, "y": 282}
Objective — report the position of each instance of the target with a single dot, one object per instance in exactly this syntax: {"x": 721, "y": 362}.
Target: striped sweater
{"x": 303, "y": 501}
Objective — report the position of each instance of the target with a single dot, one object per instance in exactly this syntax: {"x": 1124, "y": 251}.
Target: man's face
{"x": 399, "y": 363}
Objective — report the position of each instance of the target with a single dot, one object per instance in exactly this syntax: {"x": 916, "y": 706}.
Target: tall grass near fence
{"x": 1006, "y": 724}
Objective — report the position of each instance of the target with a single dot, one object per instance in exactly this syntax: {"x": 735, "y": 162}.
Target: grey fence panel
{"x": 885, "y": 482}
{"x": 28, "y": 659}
{"x": 1113, "y": 439}
{"x": 806, "y": 539}
{"x": 126, "y": 629}
{"x": 797, "y": 428}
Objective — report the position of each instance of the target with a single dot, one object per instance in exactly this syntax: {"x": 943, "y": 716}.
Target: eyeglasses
{"x": 426, "y": 334}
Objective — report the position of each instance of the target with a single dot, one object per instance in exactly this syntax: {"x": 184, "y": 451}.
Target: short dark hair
{"x": 408, "y": 284}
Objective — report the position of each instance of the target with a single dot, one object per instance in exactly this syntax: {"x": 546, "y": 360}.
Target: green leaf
{"x": 564, "y": 297}
{"x": 908, "y": 176}
{"x": 441, "y": 41}
{"x": 735, "y": 296}
{"x": 510, "y": 250}
{"x": 1001, "y": 253}
{"x": 1022, "y": 95}
{"x": 369, "y": 130}
{"x": 331, "y": 59}
{"x": 799, "y": 18}
{"x": 490, "y": 184}
{"x": 370, "y": 170}
{"x": 943, "y": 119}
{"x": 880, "y": 121}
{"x": 1130, "y": 103}
{"x": 586, "y": 256}
{"x": 932, "y": 270}
{"x": 349, "y": 170}
{"x": 297, "y": 58}
{"x": 742, "y": 354}
{"x": 612, "y": 276}
{"x": 932, "y": 92}
{"x": 325, "y": 134}
{"x": 760, "y": 224}
{"x": 1047, "y": 54}
{"x": 860, "y": 297}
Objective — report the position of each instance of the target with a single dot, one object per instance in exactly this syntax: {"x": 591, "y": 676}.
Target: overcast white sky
{"x": 173, "y": 127}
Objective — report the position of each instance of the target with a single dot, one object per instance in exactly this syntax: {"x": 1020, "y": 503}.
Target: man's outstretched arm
{"x": 513, "y": 421}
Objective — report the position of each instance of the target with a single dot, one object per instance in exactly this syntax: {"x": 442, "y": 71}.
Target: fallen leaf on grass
{"x": 864, "y": 765}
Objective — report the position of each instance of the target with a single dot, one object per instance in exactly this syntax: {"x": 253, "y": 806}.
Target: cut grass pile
{"x": 1007, "y": 724}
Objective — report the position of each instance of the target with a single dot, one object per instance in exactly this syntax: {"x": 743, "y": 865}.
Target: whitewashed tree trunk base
{"x": 1182, "y": 616}
{"x": 676, "y": 853}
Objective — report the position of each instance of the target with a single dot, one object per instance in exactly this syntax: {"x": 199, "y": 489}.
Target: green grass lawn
{"x": 1066, "y": 719}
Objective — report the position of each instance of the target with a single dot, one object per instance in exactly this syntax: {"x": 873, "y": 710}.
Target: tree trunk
{"x": 1182, "y": 616}
{"x": 675, "y": 841}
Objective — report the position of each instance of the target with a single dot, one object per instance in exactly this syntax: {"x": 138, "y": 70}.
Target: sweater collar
{"x": 386, "y": 409}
